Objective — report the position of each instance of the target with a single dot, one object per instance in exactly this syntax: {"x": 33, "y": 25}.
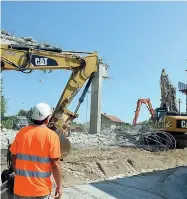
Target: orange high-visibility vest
{"x": 34, "y": 146}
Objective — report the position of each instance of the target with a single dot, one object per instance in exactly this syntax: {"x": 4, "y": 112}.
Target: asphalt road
{"x": 168, "y": 184}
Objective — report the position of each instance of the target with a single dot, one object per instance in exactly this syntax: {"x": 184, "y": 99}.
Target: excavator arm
{"x": 168, "y": 93}
{"x": 27, "y": 58}
{"x": 147, "y": 102}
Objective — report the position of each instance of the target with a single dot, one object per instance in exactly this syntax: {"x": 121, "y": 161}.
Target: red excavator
{"x": 170, "y": 127}
{"x": 170, "y": 124}
{"x": 147, "y": 102}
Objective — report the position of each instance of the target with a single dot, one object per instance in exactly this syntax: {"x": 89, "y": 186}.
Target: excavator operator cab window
{"x": 161, "y": 113}
{"x": 156, "y": 115}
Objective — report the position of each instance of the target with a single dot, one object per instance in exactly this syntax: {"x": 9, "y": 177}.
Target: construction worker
{"x": 35, "y": 156}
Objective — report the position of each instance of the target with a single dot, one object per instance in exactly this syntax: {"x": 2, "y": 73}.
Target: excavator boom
{"x": 168, "y": 93}
{"x": 27, "y": 58}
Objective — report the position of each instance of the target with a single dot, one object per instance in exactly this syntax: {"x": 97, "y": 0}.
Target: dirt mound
{"x": 94, "y": 164}
{"x": 100, "y": 164}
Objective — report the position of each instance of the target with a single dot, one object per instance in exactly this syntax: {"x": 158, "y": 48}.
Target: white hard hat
{"x": 41, "y": 111}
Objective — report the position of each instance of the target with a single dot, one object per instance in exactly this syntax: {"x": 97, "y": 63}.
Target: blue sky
{"x": 136, "y": 39}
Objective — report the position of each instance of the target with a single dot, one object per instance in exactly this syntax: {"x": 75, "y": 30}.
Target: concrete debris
{"x": 107, "y": 138}
{"x": 7, "y": 38}
{"x": 7, "y": 134}
{"x": 168, "y": 93}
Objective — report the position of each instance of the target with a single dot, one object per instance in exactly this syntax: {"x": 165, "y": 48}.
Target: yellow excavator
{"x": 170, "y": 125}
{"x": 26, "y": 59}
{"x": 83, "y": 65}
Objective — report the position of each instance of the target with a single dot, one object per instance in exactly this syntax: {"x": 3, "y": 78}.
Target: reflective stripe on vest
{"x": 33, "y": 173}
{"x": 32, "y": 158}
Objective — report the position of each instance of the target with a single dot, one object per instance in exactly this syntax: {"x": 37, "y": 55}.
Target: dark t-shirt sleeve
{"x": 14, "y": 145}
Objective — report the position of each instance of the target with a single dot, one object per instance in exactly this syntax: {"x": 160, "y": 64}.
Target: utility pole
{"x": 186, "y": 98}
{"x": 179, "y": 105}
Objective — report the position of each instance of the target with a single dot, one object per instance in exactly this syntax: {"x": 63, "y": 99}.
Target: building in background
{"x": 110, "y": 121}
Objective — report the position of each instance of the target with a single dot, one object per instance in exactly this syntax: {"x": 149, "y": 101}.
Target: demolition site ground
{"x": 97, "y": 164}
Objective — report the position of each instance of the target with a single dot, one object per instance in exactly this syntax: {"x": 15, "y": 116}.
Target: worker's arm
{"x": 57, "y": 171}
{"x": 54, "y": 154}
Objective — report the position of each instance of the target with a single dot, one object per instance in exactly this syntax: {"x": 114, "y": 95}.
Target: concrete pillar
{"x": 95, "y": 111}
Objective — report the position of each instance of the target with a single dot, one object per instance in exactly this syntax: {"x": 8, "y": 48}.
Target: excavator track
{"x": 181, "y": 140}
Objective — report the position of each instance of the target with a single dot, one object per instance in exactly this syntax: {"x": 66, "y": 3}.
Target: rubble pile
{"x": 107, "y": 138}
{"x": 123, "y": 137}
{"x": 7, "y": 134}
{"x": 168, "y": 93}
{"x": 8, "y": 38}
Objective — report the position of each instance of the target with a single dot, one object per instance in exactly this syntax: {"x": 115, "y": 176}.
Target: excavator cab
{"x": 160, "y": 112}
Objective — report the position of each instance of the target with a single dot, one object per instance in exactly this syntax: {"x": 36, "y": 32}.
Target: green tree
{"x": 3, "y": 100}
{"x": 23, "y": 112}
{"x": 7, "y": 122}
